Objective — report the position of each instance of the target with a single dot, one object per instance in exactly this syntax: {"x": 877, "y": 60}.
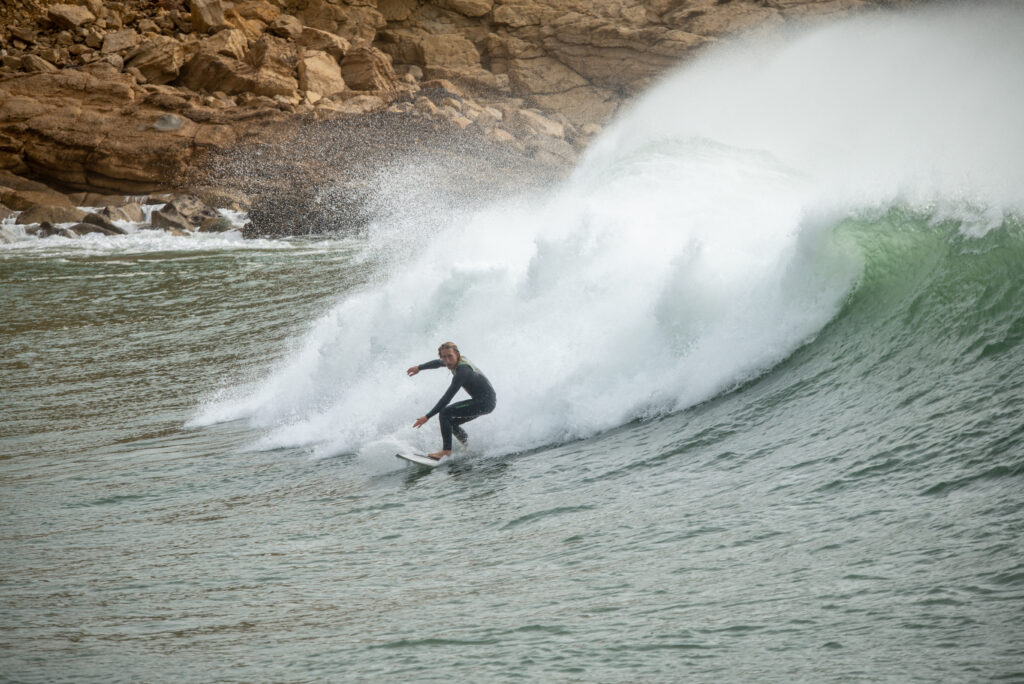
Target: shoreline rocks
{"x": 135, "y": 97}
{"x": 43, "y": 211}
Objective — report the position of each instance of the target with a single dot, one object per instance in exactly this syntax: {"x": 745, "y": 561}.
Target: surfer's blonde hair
{"x": 449, "y": 345}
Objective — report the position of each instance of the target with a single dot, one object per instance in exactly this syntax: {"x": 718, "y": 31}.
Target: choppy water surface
{"x": 759, "y": 418}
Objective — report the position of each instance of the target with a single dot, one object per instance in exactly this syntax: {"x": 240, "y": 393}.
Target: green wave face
{"x": 918, "y": 379}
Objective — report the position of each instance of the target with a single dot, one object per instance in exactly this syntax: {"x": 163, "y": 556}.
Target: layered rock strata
{"x": 143, "y": 96}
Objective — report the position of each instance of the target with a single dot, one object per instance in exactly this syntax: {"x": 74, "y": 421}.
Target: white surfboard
{"x": 421, "y": 459}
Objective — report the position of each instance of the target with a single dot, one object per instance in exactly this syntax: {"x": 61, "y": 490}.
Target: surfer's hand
{"x": 420, "y": 421}
{"x": 413, "y": 371}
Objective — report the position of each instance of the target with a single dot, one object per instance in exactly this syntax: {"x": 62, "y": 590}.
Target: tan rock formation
{"x": 320, "y": 74}
{"x": 583, "y": 58}
{"x": 22, "y": 200}
{"x": 368, "y": 69}
{"x": 230, "y": 42}
{"x": 90, "y": 131}
{"x": 332, "y": 44}
{"x": 69, "y": 16}
{"x": 120, "y": 41}
{"x": 134, "y": 96}
{"x": 207, "y": 15}
{"x": 159, "y": 59}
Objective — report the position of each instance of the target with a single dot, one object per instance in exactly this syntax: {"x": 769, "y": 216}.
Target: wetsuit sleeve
{"x": 435, "y": 363}
{"x": 458, "y": 379}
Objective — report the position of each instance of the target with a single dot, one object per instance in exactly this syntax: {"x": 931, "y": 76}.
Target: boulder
{"x": 24, "y": 34}
{"x": 403, "y": 45}
{"x": 356, "y": 23}
{"x": 260, "y": 10}
{"x": 252, "y": 28}
{"x": 69, "y": 16}
{"x": 52, "y": 55}
{"x": 22, "y": 200}
{"x": 53, "y": 214}
{"x": 468, "y": 8}
{"x": 166, "y": 100}
{"x": 94, "y": 38}
{"x": 9, "y": 63}
{"x": 453, "y": 57}
{"x": 272, "y": 84}
{"x": 319, "y": 73}
{"x": 159, "y": 59}
{"x": 115, "y": 60}
{"x": 87, "y": 228}
{"x": 207, "y": 15}
{"x": 183, "y": 213}
{"x": 315, "y": 39}
{"x": 274, "y": 54}
{"x": 36, "y": 64}
{"x": 368, "y": 69}
{"x": 532, "y": 123}
{"x": 119, "y": 41}
{"x": 211, "y": 72}
{"x": 286, "y": 26}
{"x": 397, "y": 10}
{"x": 230, "y": 42}
{"x": 170, "y": 219}
{"x": 103, "y": 222}
{"x": 128, "y": 212}
{"x": 216, "y": 224}
{"x": 214, "y": 72}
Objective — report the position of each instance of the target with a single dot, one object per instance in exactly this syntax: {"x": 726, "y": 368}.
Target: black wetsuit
{"x": 482, "y": 401}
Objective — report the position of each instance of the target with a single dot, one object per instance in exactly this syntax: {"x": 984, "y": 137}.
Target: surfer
{"x": 464, "y": 376}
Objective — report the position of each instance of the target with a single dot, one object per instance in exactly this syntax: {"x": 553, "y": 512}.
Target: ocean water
{"x": 758, "y": 363}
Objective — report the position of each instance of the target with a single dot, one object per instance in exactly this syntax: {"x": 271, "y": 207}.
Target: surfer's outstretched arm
{"x": 434, "y": 363}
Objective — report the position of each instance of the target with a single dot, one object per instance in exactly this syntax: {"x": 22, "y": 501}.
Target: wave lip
{"x": 678, "y": 272}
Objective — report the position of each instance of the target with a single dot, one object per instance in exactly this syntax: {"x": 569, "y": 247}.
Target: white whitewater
{"x": 691, "y": 250}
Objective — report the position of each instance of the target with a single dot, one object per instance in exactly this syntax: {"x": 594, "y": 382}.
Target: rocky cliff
{"x": 246, "y": 101}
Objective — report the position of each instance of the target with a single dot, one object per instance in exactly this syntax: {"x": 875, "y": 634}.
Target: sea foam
{"x": 690, "y": 251}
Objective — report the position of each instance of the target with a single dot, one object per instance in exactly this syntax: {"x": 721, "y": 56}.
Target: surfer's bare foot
{"x": 439, "y": 455}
